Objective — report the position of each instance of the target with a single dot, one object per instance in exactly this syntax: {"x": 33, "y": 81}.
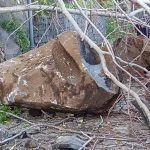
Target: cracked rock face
{"x": 58, "y": 76}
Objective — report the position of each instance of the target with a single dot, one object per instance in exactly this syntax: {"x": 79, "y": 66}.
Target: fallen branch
{"x": 50, "y": 8}
{"x": 103, "y": 62}
{"x": 64, "y": 120}
{"x": 66, "y": 130}
{"x": 101, "y": 12}
{"x": 17, "y": 135}
{"x": 15, "y": 116}
{"x": 11, "y": 138}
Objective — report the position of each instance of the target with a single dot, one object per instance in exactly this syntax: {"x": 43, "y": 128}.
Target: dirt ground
{"x": 119, "y": 131}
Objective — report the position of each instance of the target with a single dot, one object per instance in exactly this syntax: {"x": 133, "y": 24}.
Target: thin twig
{"x": 15, "y": 116}
{"x": 86, "y": 143}
{"x": 93, "y": 148}
{"x": 16, "y": 136}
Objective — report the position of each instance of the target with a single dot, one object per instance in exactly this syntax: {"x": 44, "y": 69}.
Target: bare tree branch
{"x": 144, "y": 5}
{"x": 50, "y": 8}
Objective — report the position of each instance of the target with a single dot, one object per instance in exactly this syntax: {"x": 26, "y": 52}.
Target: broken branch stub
{"x": 58, "y": 75}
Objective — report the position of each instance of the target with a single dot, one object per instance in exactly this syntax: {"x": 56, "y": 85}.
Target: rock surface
{"x": 12, "y": 49}
{"x": 58, "y": 76}
{"x": 136, "y": 50}
{"x": 69, "y": 142}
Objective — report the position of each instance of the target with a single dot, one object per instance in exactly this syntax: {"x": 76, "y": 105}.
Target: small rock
{"x": 122, "y": 129}
{"x": 69, "y": 142}
{"x": 148, "y": 141}
{"x": 29, "y": 143}
{"x": 46, "y": 147}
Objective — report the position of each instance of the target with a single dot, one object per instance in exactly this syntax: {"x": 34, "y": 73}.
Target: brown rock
{"x": 136, "y": 50}
{"x": 57, "y": 76}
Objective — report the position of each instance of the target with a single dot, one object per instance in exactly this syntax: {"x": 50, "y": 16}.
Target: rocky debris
{"x": 58, "y": 76}
{"x": 108, "y": 138}
{"x": 69, "y": 142}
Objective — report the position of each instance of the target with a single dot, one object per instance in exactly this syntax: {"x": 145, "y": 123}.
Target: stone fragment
{"x": 148, "y": 141}
{"x": 69, "y": 142}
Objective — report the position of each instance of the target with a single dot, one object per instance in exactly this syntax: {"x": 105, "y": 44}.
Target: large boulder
{"x": 64, "y": 74}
